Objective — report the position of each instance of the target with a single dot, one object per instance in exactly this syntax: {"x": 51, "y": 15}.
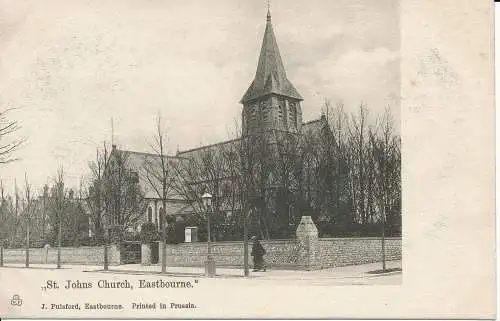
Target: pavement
{"x": 347, "y": 275}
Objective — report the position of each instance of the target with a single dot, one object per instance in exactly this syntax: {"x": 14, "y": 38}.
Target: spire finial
{"x": 268, "y": 11}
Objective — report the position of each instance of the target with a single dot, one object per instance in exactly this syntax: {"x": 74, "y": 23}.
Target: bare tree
{"x": 386, "y": 159}
{"x": 8, "y": 219}
{"x": 27, "y": 191}
{"x": 358, "y": 162}
{"x": 206, "y": 170}
{"x": 124, "y": 201}
{"x": 17, "y": 219}
{"x": 95, "y": 192}
{"x": 161, "y": 178}
{"x": 59, "y": 199}
{"x": 8, "y": 144}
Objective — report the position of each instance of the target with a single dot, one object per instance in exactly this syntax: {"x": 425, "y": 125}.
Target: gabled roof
{"x": 270, "y": 76}
{"x": 137, "y": 161}
{"x": 315, "y": 127}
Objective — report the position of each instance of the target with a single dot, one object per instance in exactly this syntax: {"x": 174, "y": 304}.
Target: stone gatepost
{"x": 146, "y": 254}
{"x": 46, "y": 248}
{"x": 307, "y": 239}
{"x": 114, "y": 254}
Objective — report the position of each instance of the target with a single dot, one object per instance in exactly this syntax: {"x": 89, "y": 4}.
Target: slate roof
{"x": 315, "y": 126}
{"x": 217, "y": 146}
{"x": 136, "y": 161}
{"x": 270, "y": 76}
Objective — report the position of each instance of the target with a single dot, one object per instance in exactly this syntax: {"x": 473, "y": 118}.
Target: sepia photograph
{"x": 157, "y": 155}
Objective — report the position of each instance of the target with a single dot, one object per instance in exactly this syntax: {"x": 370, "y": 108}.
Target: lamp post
{"x": 209, "y": 263}
{"x": 1, "y": 252}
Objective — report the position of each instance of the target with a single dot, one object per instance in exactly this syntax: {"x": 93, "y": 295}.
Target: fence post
{"x": 1, "y": 253}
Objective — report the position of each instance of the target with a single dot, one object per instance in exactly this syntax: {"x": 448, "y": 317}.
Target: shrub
{"x": 149, "y": 233}
{"x": 175, "y": 232}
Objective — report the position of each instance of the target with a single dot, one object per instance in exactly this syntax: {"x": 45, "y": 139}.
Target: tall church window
{"x": 150, "y": 214}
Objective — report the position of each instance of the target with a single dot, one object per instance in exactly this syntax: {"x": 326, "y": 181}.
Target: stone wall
{"x": 333, "y": 252}
{"x": 305, "y": 252}
{"x": 289, "y": 254}
{"x": 88, "y": 255}
{"x": 279, "y": 253}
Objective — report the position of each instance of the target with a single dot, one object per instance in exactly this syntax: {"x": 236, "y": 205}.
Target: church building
{"x": 271, "y": 114}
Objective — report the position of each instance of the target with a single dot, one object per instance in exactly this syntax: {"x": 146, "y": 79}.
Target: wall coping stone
{"x": 359, "y": 238}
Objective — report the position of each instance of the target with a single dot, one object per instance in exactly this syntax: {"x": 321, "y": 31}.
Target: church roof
{"x": 217, "y": 146}
{"x": 315, "y": 127}
{"x": 138, "y": 162}
{"x": 270, "y": 76}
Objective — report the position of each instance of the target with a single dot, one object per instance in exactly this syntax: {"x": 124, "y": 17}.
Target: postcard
{"x": 247, "y": 159}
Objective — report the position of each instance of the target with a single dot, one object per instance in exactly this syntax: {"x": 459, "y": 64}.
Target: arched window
{"x": 150, "y": 214}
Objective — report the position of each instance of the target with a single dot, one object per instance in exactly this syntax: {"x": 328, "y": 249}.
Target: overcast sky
{"x": 69, "y": 66}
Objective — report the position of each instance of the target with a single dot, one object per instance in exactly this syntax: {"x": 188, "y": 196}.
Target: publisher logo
{"x": 16, "y": 300}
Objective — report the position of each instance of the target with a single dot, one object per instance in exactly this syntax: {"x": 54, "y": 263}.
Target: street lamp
{"x": 209, "y": 263}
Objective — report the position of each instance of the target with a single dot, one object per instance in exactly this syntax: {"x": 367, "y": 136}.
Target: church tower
{"x": 271, "y": 124}
{"x": 271, "y": 102}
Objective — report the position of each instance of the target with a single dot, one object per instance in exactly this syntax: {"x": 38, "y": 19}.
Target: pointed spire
{"x": 270, "y": 76}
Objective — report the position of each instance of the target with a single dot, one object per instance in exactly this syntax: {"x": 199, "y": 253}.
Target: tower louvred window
{"x": 265, "y": 111}
{"x": 293, "y": 113}
{"x": 281, "y": 107}
{"x": 252, "y": 119}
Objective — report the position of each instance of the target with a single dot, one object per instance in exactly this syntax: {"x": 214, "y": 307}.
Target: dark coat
{"x": 257, "y": 249}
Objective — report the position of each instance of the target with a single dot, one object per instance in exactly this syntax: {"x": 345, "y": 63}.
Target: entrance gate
{"x": 154, "y": 253}
{"x": 130, "y": 252}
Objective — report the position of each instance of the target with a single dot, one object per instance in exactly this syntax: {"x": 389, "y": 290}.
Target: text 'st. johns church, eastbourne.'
{"x": 266, "y": 177}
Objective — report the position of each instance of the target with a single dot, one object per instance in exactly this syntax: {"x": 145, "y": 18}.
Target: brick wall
{"x": 89, "y": 255}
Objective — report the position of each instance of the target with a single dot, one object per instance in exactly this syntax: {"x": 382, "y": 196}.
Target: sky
{"x": 68, "y": 67}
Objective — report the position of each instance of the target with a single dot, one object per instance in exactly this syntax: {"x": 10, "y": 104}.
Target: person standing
{"x": 258, "y": 252}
